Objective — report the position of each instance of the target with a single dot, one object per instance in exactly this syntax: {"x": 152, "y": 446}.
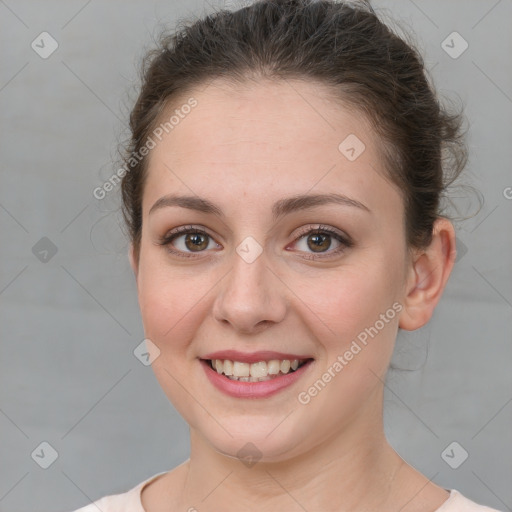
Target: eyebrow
{"x": 279, "y": 209}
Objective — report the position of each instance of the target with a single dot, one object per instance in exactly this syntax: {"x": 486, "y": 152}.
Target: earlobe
{"x": 428, "y": 276}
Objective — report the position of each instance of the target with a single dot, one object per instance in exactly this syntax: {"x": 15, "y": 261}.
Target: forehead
{"x": 276, "y": 116}
{"x": 259, "y": 137}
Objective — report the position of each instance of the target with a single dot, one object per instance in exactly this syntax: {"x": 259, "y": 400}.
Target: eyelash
{"x": 320, "y": 230}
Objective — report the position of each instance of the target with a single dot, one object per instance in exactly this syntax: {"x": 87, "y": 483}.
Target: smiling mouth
{"x": 255, "y": 372}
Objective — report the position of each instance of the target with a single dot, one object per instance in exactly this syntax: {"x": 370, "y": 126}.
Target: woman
{"x": 282, "y": 194}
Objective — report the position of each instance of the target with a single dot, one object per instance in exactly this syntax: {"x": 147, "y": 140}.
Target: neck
{"x": 355, "y": 469}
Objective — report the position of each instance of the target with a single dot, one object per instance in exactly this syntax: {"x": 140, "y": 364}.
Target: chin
{"x": 252, "y": 440}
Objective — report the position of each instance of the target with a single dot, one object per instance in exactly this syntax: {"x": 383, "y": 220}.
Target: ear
{"x": 428, "y": 275}
{"x": 134, "y": 260}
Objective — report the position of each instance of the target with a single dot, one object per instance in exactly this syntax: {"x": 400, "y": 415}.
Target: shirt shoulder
{"x": 457, "y": 502}
{"x": 129, "y": 500}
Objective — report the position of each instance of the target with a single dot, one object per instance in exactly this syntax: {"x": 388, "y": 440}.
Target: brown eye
{"x": 186, "y": 240}
{"x": 196, "y": 241}
{"x": 319, "y": 242}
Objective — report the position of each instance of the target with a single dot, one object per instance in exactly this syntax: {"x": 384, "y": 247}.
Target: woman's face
{"x": 261, "y": 279}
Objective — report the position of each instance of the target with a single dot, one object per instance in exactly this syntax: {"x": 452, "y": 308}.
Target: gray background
{"x": 70, "y": 324}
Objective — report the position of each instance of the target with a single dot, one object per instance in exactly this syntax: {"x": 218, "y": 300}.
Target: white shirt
{"x": 130, "y": 501}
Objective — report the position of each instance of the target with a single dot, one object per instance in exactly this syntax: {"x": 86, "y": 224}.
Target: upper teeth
{"x": 257, "y": 370}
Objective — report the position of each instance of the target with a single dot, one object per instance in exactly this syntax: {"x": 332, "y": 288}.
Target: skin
{"x": 243, "y": 149}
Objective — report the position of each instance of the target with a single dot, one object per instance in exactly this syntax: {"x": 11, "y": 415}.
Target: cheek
{"x": 345, "y": 308}
{"x": 356, "y": 343}
{"x": 349, "y": 298}
{"x": 167, "y": 302}
{"x": 171, "y": 305}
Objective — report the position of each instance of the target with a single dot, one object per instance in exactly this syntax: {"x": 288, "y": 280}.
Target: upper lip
{"x": 253, "y": 357}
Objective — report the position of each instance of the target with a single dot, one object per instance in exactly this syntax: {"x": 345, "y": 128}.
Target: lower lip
{"x": 262, "y": 389}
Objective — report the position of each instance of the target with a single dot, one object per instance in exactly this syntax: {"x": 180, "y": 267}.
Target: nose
{"x": 251, "y": 297}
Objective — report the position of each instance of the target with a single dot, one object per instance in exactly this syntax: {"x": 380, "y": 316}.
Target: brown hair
{"x": 342, "y": 45}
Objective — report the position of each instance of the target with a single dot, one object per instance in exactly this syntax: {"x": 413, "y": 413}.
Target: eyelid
{"x": 323, "y": 229}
